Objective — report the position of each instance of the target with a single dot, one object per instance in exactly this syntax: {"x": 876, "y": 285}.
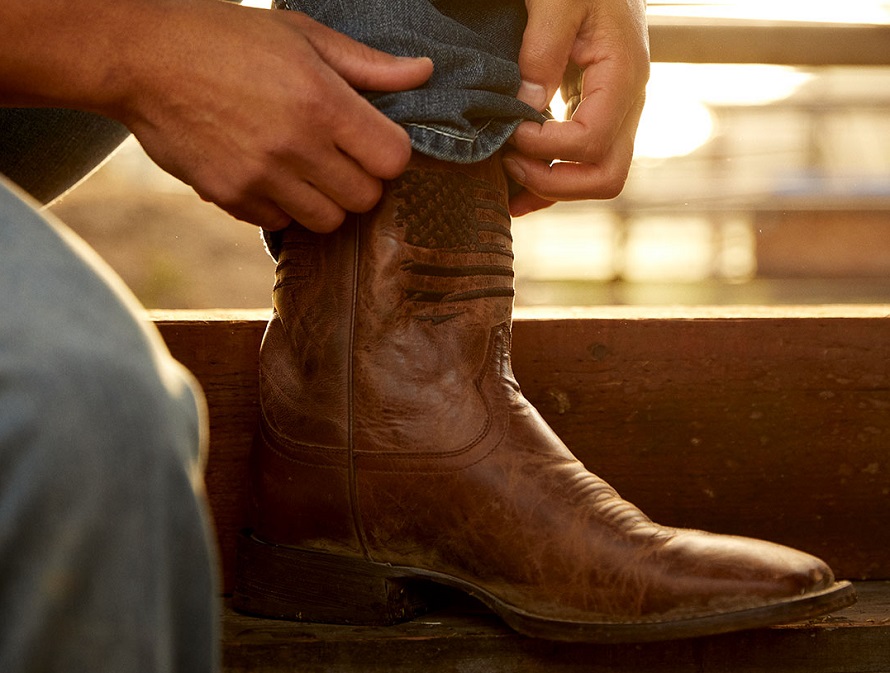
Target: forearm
{"x": 258, "y": 111}
{"x": 67, "y": 53}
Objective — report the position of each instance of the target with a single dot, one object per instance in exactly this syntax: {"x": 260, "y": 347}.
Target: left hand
{"x": 601, "y": 48}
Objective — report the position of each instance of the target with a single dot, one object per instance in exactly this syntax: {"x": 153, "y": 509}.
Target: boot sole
{"x": 289, "y": 583}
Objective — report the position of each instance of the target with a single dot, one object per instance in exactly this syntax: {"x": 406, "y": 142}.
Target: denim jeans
{"x": 468, "y": 108}
{"x": 45, "y": 151}
{"x": 106, "y": 559}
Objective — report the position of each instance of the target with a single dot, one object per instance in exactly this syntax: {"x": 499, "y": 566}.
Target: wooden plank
{"x": 221, "y": 348}
{"x": 774, "y": 427}
{"x": 465, "y": 637}
{"x": 709, "y": 40}
{"x": 770, "y": 422}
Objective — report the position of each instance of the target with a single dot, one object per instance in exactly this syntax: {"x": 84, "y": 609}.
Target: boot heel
{"x": 288, "y": 583}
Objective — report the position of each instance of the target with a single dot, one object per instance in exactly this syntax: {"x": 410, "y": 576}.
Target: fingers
{"x": 605, "y": 82}
{"x": 261, "y": 213}
{"x": 599, "y": 50}
{"x": 546, "y": 45}
{"x": 330, "y": 148}
{"x": 307, "y": 205}
{"x": 525, "y": 202}
{"x": 320, "y": 184}
{"x": 565, "y": 181}
{"x": 320, "y": 203}
{"x": 274, "y": 208}
{"x": 364, "y": 67}
{"x": 598, "y": 121}
{"x": 318, "y": 196}
{"x": 578, "y": 176}
{"x": 377, "y": 144}
{"x": 281, "y": 132}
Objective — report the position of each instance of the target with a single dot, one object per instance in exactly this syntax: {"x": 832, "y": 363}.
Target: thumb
{"x": 364, "y": 67}
{"x": 546, "y": 45}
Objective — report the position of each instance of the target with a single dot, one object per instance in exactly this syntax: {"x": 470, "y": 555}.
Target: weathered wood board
{"x": 765, "y": 422}
{"x": 468, "y": 639}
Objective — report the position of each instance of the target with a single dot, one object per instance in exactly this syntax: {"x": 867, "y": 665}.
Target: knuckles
{"x": 324, "y": 225}
{"x": 365, "y": 197}
{"x": 612, "y": 185}
{"x": 393, "y": 157}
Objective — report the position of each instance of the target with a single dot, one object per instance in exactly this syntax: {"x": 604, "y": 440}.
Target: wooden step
{"x": 464, "y": 637}
{"x": 768, "y": 422}
{"x": 765, "y": 422}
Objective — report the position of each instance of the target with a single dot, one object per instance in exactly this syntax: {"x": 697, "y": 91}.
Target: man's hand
{"x": 601, "y": 47}
{"x": 258, "y": 112}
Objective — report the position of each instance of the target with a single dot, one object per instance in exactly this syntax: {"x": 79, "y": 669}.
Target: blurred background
{"x": 761, "y": 176}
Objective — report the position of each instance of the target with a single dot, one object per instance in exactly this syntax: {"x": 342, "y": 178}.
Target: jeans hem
{"x": 445, "y": 144}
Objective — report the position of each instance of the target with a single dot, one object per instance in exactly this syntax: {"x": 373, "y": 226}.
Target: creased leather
{"x": 394, "y": 430}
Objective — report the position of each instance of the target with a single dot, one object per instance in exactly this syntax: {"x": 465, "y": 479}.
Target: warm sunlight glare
{"x": 674, "y": 123}
{"x": 678, "y": 120}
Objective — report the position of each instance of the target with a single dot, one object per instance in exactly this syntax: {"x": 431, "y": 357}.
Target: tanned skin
{"x": 258, "y": 110}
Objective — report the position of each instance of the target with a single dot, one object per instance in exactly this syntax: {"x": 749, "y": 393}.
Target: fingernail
{"x": 533, "y": 94}
{"x": 514, "y": 169}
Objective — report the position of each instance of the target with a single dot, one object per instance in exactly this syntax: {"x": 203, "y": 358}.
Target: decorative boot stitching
{"x": 439, "y": 210}
{"x": 298, "y": 258}
{"x": 461, "y": 221}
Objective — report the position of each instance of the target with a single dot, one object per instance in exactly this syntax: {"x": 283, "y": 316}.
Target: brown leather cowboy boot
{"x": 396, "y": 451}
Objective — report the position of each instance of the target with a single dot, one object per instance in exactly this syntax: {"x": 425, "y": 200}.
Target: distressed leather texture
{"x": 393, "y": 429}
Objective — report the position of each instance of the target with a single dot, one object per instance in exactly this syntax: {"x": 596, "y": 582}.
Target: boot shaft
{"x": 397, "y": 308}
{"x": 396, "y": 444}
{"x": 384, "y": 335}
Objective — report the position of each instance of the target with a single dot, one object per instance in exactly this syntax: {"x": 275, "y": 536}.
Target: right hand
{"x": 258, "y": 111}
{"x": 604, "y": 46}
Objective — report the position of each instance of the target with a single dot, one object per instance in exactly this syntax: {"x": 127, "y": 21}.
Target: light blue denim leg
{"x": 106, "y": 560}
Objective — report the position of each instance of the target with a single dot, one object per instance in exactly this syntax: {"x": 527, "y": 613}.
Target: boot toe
{"x": 727, "y": 572}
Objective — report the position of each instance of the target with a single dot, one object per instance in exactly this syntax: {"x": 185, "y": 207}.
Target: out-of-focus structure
{"x": 762, "y": 171}
{"x": 762, "y": 176}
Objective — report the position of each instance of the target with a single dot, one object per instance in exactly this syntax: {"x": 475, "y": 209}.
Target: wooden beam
{"x": 770, "y": 422}
{"x": 708, "y": 40}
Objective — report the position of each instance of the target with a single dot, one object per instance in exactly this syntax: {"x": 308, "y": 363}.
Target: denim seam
{"x": 452, "y": 135}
